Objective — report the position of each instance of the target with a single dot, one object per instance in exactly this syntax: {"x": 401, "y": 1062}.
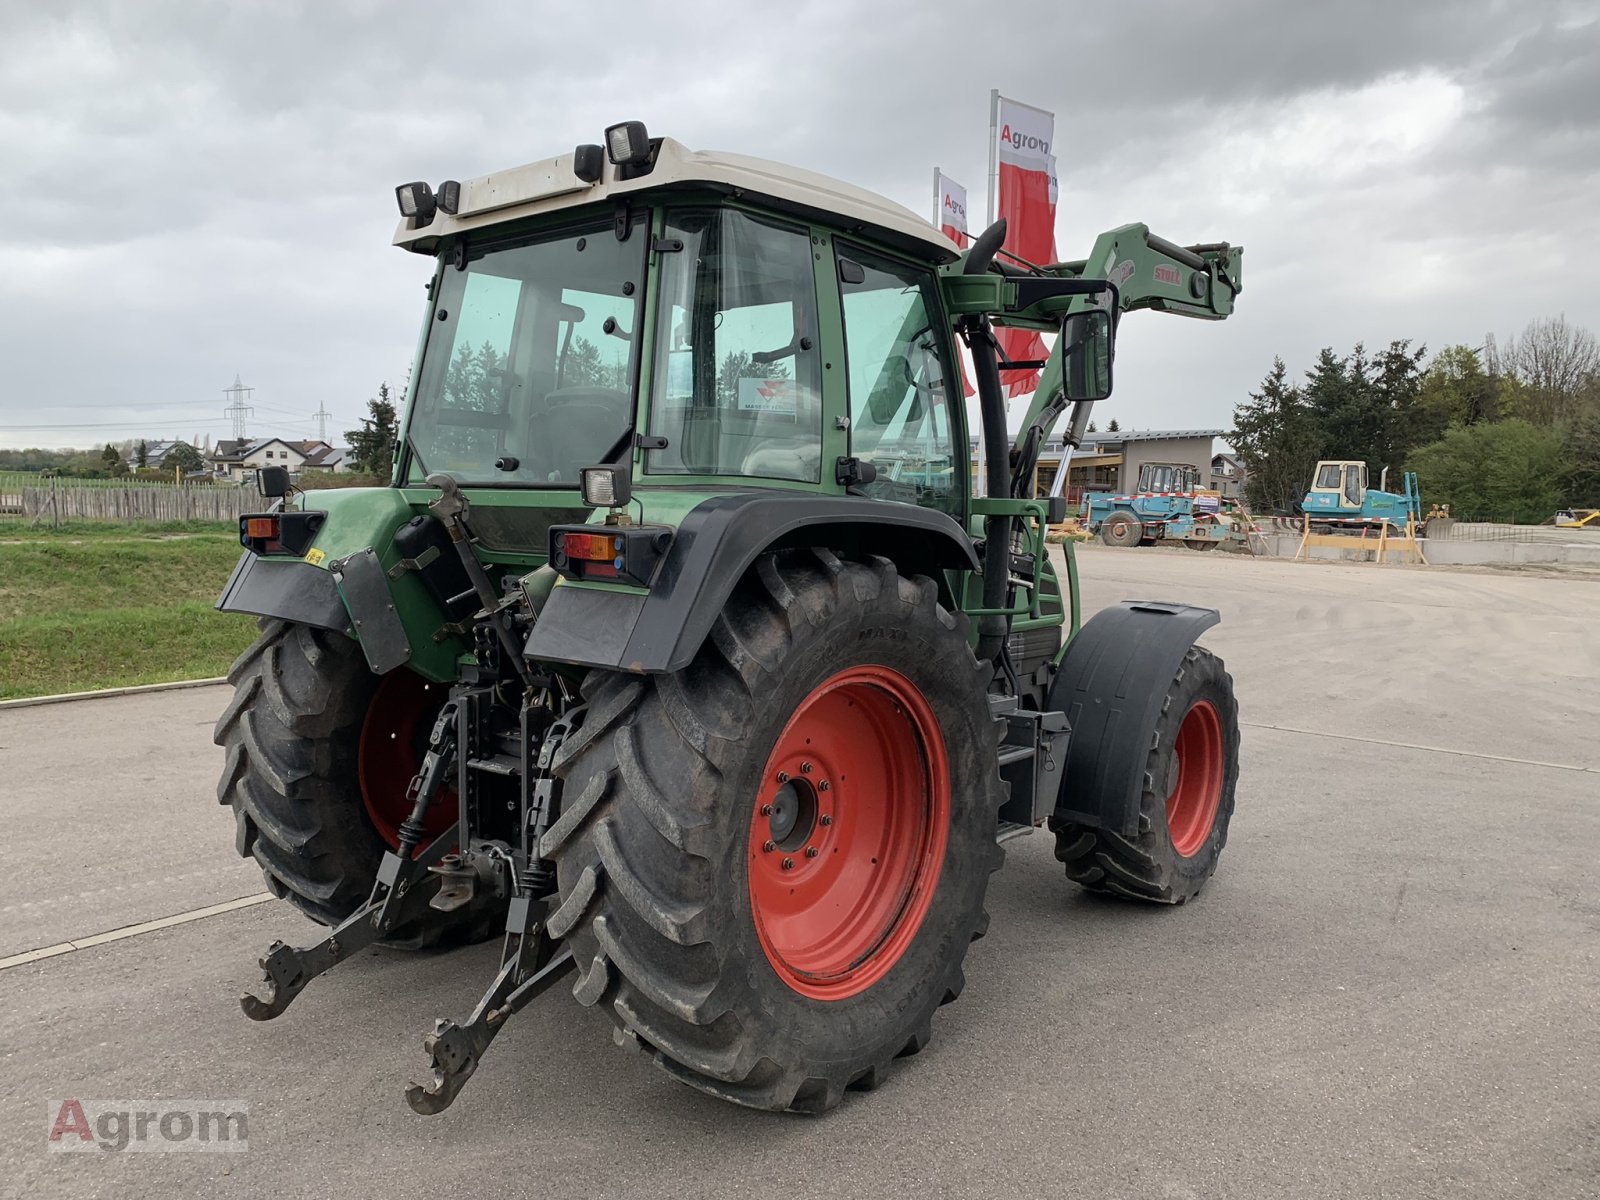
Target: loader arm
{"x": 1149, "y": 273}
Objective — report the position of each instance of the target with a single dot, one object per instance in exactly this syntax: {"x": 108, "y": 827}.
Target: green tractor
{"x": 679, "y": 650}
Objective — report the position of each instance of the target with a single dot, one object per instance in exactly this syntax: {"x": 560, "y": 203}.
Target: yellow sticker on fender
{"x": 315, "y": 557}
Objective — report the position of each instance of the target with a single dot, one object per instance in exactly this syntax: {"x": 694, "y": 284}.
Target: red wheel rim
{"x": 855, "y": 798}
{"x": 394, "y": 738}
{"x": 1196, "y": 793}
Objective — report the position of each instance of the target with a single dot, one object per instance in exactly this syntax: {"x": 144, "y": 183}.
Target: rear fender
{"x": 1111, "y": 683}
{"x": 716, "y": 543}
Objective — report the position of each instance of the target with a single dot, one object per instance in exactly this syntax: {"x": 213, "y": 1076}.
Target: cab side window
{"x": 899, "y": 381}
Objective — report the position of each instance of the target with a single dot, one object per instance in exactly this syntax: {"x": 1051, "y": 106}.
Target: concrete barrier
{"x": 1450, "y": 553}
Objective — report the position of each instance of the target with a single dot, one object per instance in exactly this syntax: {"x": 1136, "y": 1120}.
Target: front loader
{"x": 678, "y": 650}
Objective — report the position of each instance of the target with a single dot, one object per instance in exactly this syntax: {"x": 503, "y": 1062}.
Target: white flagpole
{"x": 994, "y": 153}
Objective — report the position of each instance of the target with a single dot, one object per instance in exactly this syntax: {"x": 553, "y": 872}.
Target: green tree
{"x": 372, "y": 446}
{"x": 185, "y": 456}
{"x": 1113, "y": 427}
{"x": 141, "y": 454}
{"x": 1456, "y": 390}
{"x": 112, "y": 463}
{"x": 1277, "y": 440}
{"x": 1500, "y": 470}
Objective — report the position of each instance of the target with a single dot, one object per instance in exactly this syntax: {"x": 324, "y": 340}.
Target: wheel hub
{"x": 794, "y": 814}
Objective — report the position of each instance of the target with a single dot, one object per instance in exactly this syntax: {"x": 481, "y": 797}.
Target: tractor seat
{"x": 579, "y": 425}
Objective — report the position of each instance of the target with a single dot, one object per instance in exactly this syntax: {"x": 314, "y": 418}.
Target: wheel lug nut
{"x": 826, "y": 819}
{"x": 783, "y": 777}
{"x": 824, "y": 786}
{"x": 768, "y": 846}
{"x": 766, "y": 810}
{"x": 788, "y": 864}
{"x": 811, "y": 851}
{"x": 805, "y": 768}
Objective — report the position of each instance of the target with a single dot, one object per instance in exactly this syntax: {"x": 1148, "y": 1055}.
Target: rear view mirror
{"x": 1087, "y": 351}
{"x": 273, "y": 481}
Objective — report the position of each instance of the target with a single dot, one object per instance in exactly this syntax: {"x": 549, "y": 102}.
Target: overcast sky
{"x": 196, "y": 190}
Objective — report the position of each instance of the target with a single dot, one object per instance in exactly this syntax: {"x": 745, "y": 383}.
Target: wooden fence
{"x": 62, "y": 501}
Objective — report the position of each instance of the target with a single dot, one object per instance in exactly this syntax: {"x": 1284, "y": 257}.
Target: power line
{"x": 112, "y": 425}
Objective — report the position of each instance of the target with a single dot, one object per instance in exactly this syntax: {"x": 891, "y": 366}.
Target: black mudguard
{"x": 714, "y": 546}
{"x": 1111, "y": 685}
{"x": 289, "y": 589}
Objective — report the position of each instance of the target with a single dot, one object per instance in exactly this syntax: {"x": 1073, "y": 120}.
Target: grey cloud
{"x": 198, "y": 189}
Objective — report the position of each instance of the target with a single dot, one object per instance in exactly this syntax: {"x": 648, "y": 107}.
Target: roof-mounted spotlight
{"x": 448, "y": 197}
{"x": 417, "y": 200}
{"x": 628, "y": 144}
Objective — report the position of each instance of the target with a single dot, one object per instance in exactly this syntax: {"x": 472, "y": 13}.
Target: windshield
{"x": 527, "y": 375}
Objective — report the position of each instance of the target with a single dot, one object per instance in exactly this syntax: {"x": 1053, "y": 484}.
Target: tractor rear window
{"x": 737, "y": 384}
{"x": 530, "y": 360}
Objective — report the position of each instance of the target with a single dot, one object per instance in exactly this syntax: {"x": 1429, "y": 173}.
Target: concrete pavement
{"x": 1388, "y": 989}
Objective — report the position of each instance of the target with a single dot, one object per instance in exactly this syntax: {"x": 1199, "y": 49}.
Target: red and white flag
{"x": 1024, "y": 138}
{"x": 952, "y": 199}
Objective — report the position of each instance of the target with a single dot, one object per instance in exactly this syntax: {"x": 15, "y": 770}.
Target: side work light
{"x": 448, "y": 197}
{"x": 606, "y": 486}
{"x": 628, "y": 144}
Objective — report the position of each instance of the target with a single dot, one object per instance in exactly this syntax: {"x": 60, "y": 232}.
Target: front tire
{"x": 835, "y": 721}
{"x": 1191, "y": 772}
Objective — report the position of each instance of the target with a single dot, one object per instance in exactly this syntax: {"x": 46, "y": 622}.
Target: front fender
{"x": 716, "y": 543}
{"x": 1111, "y": 683}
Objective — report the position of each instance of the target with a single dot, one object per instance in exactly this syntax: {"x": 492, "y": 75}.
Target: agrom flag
{"x": 1026, "y": 166}
{"x": 952, "y": 208}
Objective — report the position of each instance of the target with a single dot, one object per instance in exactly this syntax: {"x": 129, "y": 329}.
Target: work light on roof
{"x": 416, "y": 200}
{"x": 628, "y": 144}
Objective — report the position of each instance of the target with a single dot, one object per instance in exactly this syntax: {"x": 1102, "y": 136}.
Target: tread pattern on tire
{"x": 635, "y": 843}
{"x": 291, "y": 734}
{"x": 1141, "y": 867}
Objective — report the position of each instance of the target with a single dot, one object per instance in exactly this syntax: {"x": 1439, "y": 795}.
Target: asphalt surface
{"x": 1389, "y": 989}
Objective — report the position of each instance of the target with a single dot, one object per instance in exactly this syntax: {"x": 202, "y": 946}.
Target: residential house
{"x": 239, "y": 461}
{"x": 1228, "y": 475}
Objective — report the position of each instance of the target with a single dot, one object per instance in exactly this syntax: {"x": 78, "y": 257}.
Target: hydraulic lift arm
{"x": 1148, "y": 272}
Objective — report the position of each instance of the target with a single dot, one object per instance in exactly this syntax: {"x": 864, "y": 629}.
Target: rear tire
{"x": 1191, "y": 772}
{"x": 293, "y": 779}
{"x": 1119, "y": 529}
{"x": 670, "y": 896}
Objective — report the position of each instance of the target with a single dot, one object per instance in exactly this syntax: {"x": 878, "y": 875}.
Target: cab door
{"x": 1355, "y": 484}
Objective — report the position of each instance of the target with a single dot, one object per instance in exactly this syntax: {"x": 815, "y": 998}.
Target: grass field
{"x": 104, "y": 606}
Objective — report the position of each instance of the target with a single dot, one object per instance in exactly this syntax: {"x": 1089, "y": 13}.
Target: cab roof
{"x": 550, "y": 186}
